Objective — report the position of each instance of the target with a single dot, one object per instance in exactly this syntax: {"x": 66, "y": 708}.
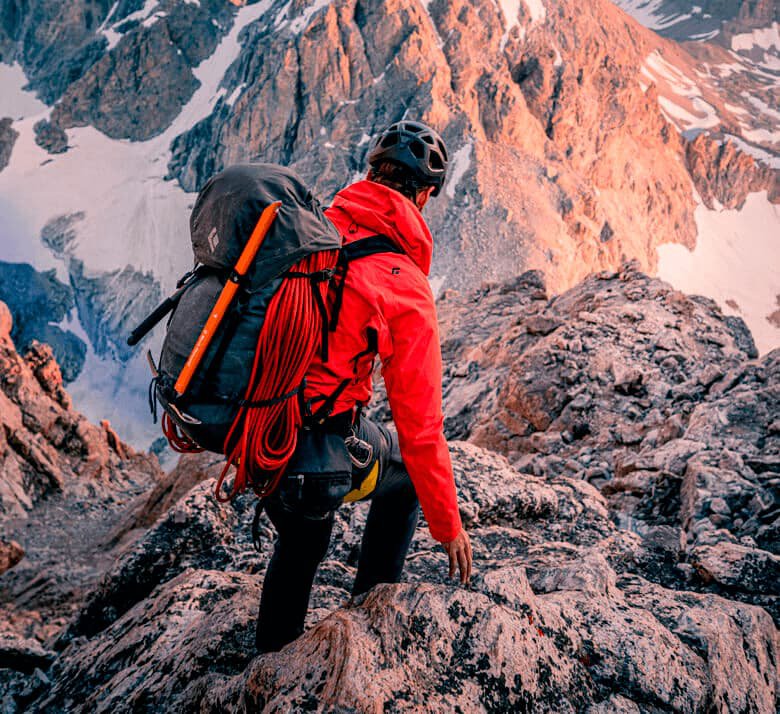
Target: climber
{"x": 380, "y": 304}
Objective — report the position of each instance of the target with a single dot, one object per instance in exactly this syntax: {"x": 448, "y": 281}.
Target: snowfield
{"x": 735, "y": 262}
{"x": 131, "y": 216}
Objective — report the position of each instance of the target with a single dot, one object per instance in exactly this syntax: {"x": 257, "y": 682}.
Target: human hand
{"x": 459, "y": 552}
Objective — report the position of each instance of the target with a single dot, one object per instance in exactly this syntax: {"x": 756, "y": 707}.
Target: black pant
{"x": 301, "y": 544}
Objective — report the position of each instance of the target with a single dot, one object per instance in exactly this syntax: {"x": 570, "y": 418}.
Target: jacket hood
{"x": 380, "y": 209}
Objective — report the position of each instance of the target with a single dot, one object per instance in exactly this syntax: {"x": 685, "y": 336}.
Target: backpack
{"x": 258, "y": 234}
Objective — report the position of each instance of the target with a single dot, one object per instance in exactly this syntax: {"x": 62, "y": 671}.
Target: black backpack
{"x": 225, "y": 214}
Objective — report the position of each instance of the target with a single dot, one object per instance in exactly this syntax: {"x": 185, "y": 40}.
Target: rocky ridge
{"x": 642, "y": 391}
{"x": 623, "y": 544}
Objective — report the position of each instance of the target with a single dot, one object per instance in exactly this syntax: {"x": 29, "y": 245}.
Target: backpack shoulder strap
{"x": 368, "y": 246}
{"x": 354, "y": 251}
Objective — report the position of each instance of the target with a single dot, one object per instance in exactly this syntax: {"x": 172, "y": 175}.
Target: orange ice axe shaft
{"x": 226, "y": 297}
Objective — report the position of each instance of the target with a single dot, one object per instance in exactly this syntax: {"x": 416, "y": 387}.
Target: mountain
{"x": 579, "y": 139}
{"x": 616, "y": 449}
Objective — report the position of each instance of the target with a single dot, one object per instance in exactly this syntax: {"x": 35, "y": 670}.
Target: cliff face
{"x": 551, "y": 173}
{"x": 625, "y": 543}
{"x": 579, "y": 138}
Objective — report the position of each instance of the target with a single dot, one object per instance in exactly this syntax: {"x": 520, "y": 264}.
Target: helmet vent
{"x": 417, "y": 149}
{"x": 389, "y": 140}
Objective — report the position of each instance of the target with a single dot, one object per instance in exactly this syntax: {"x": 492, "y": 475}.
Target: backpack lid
{"x": 229, "y": 206}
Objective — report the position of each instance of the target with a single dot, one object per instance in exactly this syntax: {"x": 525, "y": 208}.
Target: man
{"x": 383, "y": 306}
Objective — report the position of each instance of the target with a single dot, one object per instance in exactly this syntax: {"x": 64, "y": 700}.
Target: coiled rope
{"x": 262, "y": 439}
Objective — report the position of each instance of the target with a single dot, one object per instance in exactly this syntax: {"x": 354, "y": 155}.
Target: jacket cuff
{"x": 448, "y": 534}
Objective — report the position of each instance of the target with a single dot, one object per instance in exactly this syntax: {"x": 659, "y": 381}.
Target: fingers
{"x": 465, "y": 560}
{"x": 460, "y": 557}
{"x": 453, "y": 560}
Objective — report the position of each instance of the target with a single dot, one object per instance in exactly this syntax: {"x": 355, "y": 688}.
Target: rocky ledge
{"x": 608, "y": 575}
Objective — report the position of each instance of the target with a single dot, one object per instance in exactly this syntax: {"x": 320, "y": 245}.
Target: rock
{"x": 560, "y": 651}
{"x": 196, "y": 631}
{"x": 46, "y": 447}
{"x": 518, "y": 118}
{"x": 540, "y": 325}
{"x": 654, "y": 592}
{"x": 627, "y": 381}
{"x": 725, "y": 635}
{"x": 10, "y": 554}
{"x": 194, "y": 533}
{"x": 723, "y": 173}
{"x": 189, "y": 471}
{"x": 40, "y": 357}
{"x": 23, "y": 654}
{"x": 734, "y": 566}
{"x": 136, "y": 90}
{"x": 50, "y": 136}
{"x": 37, "y": 300}
{"x": 6, "y": 322}
{"x": 105, "y": 314}
{"x": 8, "y": 136}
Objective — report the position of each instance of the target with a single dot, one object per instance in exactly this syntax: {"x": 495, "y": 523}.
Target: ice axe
{"x": 226, "y": 297}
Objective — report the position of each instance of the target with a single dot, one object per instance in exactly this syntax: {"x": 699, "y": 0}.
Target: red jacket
{"x": 389, "y": 293}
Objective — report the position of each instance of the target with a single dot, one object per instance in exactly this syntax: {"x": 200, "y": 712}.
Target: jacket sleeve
{"x": 412, "y": 369}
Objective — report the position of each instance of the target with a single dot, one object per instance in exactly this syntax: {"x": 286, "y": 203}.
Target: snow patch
{"x": 300, "y": 22}
{"x": 766, "y": 38}
{"x": 649, "y": 13}
{"x": 511, "y": 11}
{"x": 151, "y": 20}
{"x": 144, "y": 15}
{"x": 762, "y": 106}
{"x": 439, "y": 40}
{"x": 231, "y": 100}
{"x": 283, "y": 15}
{"x": 764, "y": 156}
{"x": 678, "y": 95}
{"x": 15, "y": 101}
{"x": 536, "y": 9}
{"x": 686, "y": 120}
{"x": 461, "y": 160}
{"x": 761, "y": 136}
{"x": 739, "y": 111}
{"x": 736, "y": 258}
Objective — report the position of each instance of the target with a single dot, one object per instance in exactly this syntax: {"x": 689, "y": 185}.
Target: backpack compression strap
{"x": 314, "y": 278}
{"x": 350, "y": 252}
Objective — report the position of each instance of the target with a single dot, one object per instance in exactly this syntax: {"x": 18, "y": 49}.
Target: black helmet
{"x": 416, "y": 146}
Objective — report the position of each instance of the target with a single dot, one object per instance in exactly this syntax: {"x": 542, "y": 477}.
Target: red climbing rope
{"x": 178, "y": 440}
{"x": 262, "y": 439}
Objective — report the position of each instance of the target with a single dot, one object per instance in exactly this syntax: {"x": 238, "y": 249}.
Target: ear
{"x": 423, "y": 196}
